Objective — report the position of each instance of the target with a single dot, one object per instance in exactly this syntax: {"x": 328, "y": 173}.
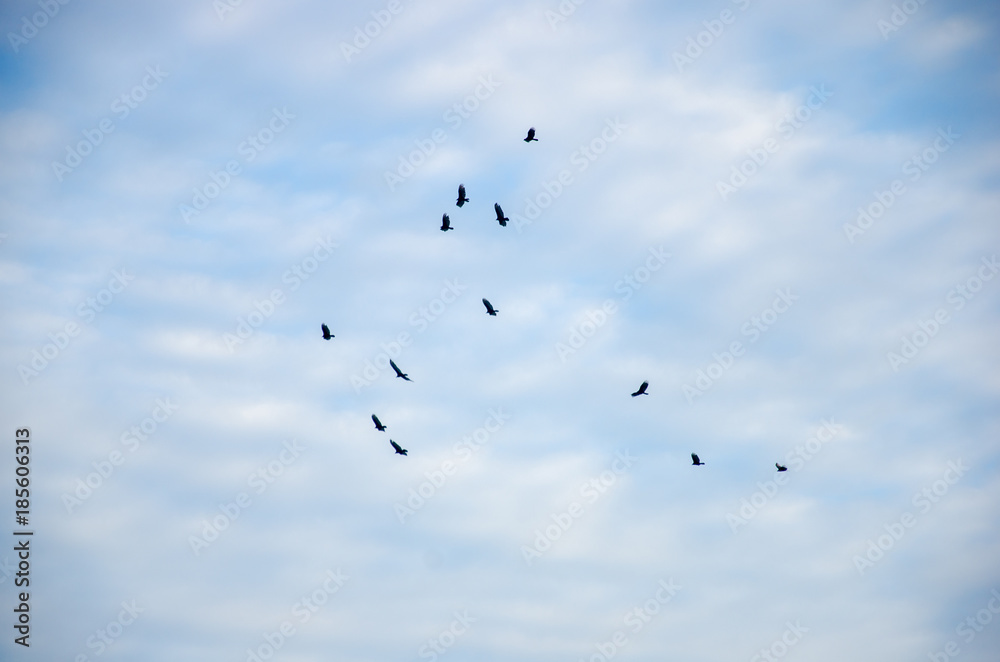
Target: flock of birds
{"x": 695, "y": 460}
{"x": 490, "y": 310}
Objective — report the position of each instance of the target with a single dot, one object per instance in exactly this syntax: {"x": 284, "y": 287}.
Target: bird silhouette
{"x": 500, "y": 217}
{"x": 399, "y": 450}
{"x": 461, "y": 195}
{"x": 378, "y": 423}
{"x": 695, "y": 461}
{"x": 490, "y": 310}
{"x": 781, "y": 467}
{"x": 399, "y": 373}
{"x": 531, "y": 135}
{"x": 446, "y": 223}
{"x": 326, "y": 332}
{"x": 642, "y": 389}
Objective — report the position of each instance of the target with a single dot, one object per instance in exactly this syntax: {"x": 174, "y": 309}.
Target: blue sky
{"x": 166, "y": 347}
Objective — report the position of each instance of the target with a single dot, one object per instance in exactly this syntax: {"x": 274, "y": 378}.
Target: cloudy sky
{"x": 781, "y": 215}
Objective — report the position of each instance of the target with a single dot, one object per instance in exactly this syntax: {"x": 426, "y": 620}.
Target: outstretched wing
{"x": 694, "y": 458}
{"x": 498, "y": 210}
{"x": 395, "y": 367}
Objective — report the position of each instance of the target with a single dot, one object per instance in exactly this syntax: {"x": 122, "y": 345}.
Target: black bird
{"x": 642, "y": 390}
{"x": 781, "y": 467}
{"x": 500, "y": 217}
{"x": 378, "y": 423}
{"x": 490, "y": 310}
{"x": 446, "y": 223}
{"x": 326, "y": 332}
{"x": 531, "y": 135}
{"x": 695, "y": 461}
{"x": 461, "y": 195}
{"x": 399, "y": 373}
{"x": 399, "y": 450}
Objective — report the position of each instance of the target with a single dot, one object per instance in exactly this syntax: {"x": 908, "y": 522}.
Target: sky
{"x": 781, "y": 215}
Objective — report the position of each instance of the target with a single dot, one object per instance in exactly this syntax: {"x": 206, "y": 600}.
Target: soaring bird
{"x": 642, "y": 389}
{"x": 531, "y": 135}
{"x": 326, "y": 332}
{"x": 695, "y": 461}
{"x": 399, "y": 450}
{"x": 490, "y": 310}
{"x": 446, "y": 223}
{"x": 500, "y": 217}
{"x": 378, "y": 423}
{"x": 399, "y": 373}
{"x": 461, "y": 195}
{"x": 781, "y": 467}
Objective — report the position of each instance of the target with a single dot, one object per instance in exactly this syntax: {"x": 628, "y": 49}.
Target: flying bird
{"x": 500, "y": 217}
{"x": 695, "y": 461}
{"x": 446, "y": 223}
{"x": 326, "y": 332}
{"x": 399, "y": 373}
{"x": 642, "y": 390}
{"x": 531, "y": 135}
{"x": 399, "y": 450}
{"x": 378, "y": 423}
{"x": 461, "y": 195}
{"x": 781, "y": 467}
{"x": 490, "y": 310}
